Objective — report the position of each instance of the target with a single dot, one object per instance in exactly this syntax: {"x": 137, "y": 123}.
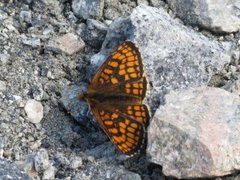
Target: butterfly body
{"x": 116, "y": 95}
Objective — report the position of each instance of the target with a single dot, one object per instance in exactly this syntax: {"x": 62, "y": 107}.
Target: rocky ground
{"x": 51, "y": 48}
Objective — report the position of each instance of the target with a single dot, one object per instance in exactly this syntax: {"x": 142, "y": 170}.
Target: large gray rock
{"x": 174, "y": 56}
{"x": 196, "y": 133}
{"x": 219, "y": 16}
{"x": 88, "y": 8}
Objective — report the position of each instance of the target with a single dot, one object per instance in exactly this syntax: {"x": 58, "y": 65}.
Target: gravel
{"x": 56, "y": 136}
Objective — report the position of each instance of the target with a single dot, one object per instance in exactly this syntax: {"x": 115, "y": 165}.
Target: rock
{"x": 9, "y": 170}
{"x": 88, "y": 8}
{"x": 49, "y": 173}
{"x": 70, "y": 101}
{"x": 3, "y": 86}
{"x": 10, "y": 25}
{"x": 61, "y": 159}
{"x": 95, "y": 32}
{"x": 37, "y": 91}
{"x": 37, "y": 163}
{"x": 76, "y": 162}
{"x": 25, "y": 16}
{"x": 81, "y": 28}
{"x": 3, "y": 15}
{"x": 29, "y": 166}
{"x": 125, "y": 175}
{"x": 174, "y": 57}
{"x": 68, "y": 43}
{"x": 33, "y": 42}
{"x": 206, "y": 13}
{"x": 41, "y": 160}
{"x": 195, "y": 134}
{"x": 17, "y": 98}
{"x": 48, "y": 30}
{"x": 4, "y": 57}
{"x": 34, "y": 110}
{"x": 233, "y": 87}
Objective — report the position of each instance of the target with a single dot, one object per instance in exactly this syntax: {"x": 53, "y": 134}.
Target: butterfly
{"x": 116, "y": 95}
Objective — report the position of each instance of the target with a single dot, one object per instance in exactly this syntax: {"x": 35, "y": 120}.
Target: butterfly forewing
{"x": 122, "y": 66}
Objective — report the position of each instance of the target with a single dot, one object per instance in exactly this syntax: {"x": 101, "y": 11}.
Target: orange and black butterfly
{"x": 115, "y": 96}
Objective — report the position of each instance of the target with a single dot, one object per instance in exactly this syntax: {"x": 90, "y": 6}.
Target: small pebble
{"x": 17, "y": 98}
{"x": 25, "y": 16}
{"x": 76, "y": 163}
{"x": 34, "y": 110}
{"x": 4, "y": 58}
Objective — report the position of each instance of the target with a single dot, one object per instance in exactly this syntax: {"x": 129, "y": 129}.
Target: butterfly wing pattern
{"x": 115, "y": 96}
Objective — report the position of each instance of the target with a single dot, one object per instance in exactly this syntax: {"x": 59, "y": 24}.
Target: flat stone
{"x": 34, "y": 110}
{"x": 196, "y": 133}
{"x": 68, "y": 43}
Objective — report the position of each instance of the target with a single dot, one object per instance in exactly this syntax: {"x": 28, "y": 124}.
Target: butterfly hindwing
{"x": 127, "y": 133}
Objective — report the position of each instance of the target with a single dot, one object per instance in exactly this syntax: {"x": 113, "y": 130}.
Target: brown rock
{"x": 68, "y": 43}
{"x": 196, "y": 133}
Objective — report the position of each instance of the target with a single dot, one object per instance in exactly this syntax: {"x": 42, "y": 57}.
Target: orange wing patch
{"x": 137, "y": 88}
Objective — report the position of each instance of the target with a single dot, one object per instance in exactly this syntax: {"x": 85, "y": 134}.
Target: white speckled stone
{"x": 34, "y": 110}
